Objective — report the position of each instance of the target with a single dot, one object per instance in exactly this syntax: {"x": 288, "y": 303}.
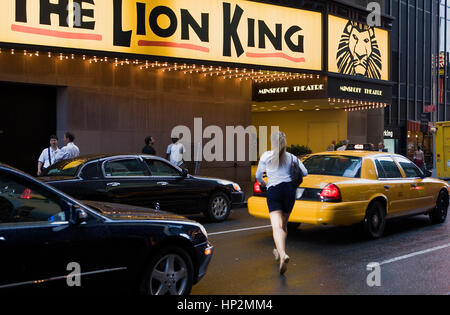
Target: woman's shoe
{"x": 283, "y": 264}
{"x": 275, "y": 253}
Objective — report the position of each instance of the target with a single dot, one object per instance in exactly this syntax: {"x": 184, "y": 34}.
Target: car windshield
{"x": 65, "y": 168}
{"x": 334, "y": 165}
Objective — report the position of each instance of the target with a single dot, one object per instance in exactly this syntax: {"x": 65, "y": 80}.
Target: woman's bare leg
{"x": 279, "y": 229}
{"x": 285, "y": 221}
{"x": 279, "y": 222}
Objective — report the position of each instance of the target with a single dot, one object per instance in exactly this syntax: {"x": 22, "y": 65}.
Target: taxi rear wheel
{"x": 439, "y": 213}
{"x": 374, "y": 221}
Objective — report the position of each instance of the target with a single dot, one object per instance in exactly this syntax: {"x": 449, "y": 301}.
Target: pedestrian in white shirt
{"x": 48, "y": 155}
{"x": 175, "y": 152}
{"x": 281, "y": 192}
{"x": 70, "y": 150}
{"x": 344, "y": 146}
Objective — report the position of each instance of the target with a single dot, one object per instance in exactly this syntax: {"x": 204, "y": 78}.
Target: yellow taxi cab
{"x": 350, "y": 187}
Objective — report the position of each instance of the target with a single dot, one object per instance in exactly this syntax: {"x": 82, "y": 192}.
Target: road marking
{"x": 414, "y": 254}
{"x": 241, "y": 230}
{"x": 12, "y": 285}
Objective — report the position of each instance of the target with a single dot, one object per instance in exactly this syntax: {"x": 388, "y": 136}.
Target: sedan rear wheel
{"x": 170, "y": 272}
{"x": 439, "y": 213}
{"x": 219, "y": 207}
{"x": 374, "y": 222}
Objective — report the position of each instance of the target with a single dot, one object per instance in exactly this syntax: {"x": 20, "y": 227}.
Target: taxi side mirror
{"x": 427, "y": 174}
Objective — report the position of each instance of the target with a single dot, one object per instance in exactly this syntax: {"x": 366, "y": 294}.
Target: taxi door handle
{"x": 387, "y": 187}
{"x": 413, "y": 185}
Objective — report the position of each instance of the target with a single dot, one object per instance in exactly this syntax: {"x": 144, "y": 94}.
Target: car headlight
{"x": 226, "y": 183}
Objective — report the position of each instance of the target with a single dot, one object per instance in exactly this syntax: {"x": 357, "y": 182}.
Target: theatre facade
{"x": 114, "y": 72}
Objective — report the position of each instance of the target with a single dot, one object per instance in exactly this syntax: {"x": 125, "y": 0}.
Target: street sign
{"x": 430, "y": 108}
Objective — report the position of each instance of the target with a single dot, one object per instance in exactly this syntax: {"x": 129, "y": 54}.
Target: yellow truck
{"x": 443, "y": 149}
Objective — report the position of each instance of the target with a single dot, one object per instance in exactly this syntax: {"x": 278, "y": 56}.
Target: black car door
{"x": 11, "y": 270}
{"x": 39, "y": 246}
{"x": 29, "y": 219}
{"x": 88, "y": 186}
{"x": 127, "y": 181}
{"x": 176, "y": 191}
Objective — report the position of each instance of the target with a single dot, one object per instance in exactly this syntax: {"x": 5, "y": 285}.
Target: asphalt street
{"x": 413, "y": 258}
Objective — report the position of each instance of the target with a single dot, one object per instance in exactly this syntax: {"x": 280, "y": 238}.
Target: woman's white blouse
{"x": 277, "y": 174}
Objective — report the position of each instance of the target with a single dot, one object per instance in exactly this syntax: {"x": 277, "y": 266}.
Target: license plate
{"x": 299, "y": 193}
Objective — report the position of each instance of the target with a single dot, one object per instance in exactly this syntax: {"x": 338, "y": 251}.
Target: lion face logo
{"x": 358, "y": 52}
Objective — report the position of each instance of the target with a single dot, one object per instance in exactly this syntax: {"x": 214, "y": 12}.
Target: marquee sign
{"x": 290, "y": 90}
{"x": 322, "y": 87}
{"x": 356, "y": 90}
{"x": 228, "y": 31}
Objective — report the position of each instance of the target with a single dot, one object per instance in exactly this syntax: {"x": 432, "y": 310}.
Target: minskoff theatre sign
{"x": 230, "y": 31}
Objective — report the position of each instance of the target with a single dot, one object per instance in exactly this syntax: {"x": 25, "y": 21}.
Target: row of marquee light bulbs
{"x": 257, "y": 76}
{"x": 356, "y": 105}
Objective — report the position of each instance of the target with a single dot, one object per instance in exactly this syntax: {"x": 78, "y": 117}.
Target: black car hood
{"x": 116, "y": 211}
{"x": 212, "y": 179}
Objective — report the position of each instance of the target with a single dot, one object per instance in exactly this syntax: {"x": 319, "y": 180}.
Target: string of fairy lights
{"x": 257, "y": 76}
{"x": 254, "y": 75}
{"x": 356, "y": 105}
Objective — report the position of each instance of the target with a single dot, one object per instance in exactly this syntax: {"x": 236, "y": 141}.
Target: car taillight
{"x": 331, "y": 192}
{"x": 257, "y": 188}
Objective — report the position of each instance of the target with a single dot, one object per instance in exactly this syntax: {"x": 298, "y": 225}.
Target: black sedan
{"x": 144, "y": 180}
{"x": 50, "y": 241}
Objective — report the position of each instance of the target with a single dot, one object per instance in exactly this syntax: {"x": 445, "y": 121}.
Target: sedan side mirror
{"x": 77, "y": 215}
{"x": 184, "y": 172}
